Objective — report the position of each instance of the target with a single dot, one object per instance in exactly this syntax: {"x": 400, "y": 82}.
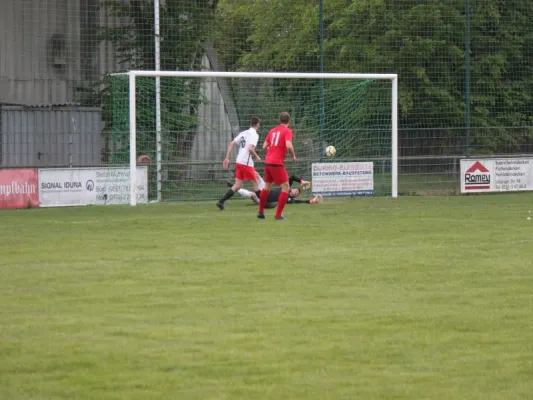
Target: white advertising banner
{"x": 343, "y": 179}
{"x": 89, "y": 186}
{"x": 496, "y": 175}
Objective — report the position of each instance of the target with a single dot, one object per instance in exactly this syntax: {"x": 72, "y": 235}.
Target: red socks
{"x": 263, "y": 200}
{"x": 282, "y": 200}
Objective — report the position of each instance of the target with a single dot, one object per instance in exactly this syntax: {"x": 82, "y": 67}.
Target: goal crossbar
{"x": 286, "y": 75}
{"x": 276, "y": 75}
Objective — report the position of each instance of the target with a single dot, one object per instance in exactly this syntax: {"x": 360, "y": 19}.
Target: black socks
{"x": 228, "y": 194}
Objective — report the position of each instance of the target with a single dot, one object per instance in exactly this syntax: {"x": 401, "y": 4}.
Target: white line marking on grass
{"x": 99, "y": 262}
{"x": 53, "y": 221}
{"x": 523, "y": 241}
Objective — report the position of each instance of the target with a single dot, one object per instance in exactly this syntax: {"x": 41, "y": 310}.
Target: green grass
{"x": 428, "y": 184}
{"x": 408, "y": 298}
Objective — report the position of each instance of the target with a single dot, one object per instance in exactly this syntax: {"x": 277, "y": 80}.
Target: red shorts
{"x": 276, "y": 174}
{"x": 245, "y": 172}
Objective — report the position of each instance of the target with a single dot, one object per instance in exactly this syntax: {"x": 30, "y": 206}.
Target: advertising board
{"x": 18, "y": 188}
{"x": 496, "y": 175}
{"x": 89, "y": 186}
{"x": 343, "y": 179}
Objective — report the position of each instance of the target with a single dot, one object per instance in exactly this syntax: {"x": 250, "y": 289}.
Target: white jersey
{"x": 244, "y": 139}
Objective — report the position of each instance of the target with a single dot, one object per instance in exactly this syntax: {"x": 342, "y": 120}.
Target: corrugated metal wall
{"x": 40, "y": 61}
{"x": 45, "y": 137}
{"x": 49, "y": 50}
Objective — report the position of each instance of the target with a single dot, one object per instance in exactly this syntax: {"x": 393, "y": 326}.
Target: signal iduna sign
{"x": 496, "y": 175}
{"x": 90, "y": 186}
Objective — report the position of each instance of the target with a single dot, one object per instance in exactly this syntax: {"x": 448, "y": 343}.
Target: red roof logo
{"x": 477, "y": 166}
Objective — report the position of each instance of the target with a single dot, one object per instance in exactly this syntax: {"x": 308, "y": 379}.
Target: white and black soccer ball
{"x": 330, "y": 151}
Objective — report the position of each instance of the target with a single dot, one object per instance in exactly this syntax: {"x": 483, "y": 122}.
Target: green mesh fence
{"x": 200, "y": 116}
{"x": 465, "y": 67}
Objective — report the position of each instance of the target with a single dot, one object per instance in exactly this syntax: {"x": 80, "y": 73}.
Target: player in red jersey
{"x": 276, "y": 145}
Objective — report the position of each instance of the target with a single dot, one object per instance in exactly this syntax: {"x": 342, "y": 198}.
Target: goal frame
{"x": 133, "y": 74}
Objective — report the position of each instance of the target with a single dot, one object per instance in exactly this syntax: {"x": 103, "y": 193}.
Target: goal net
{"x": 177, "y": 126}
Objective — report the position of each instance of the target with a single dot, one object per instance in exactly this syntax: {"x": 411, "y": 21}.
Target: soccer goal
{"x": 178, "y": 124}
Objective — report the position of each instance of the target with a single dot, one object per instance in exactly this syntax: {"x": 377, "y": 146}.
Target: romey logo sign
{"x": 477, "y": 177}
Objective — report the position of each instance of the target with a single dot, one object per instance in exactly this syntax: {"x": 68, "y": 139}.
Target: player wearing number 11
{"x": 276, "y": 145}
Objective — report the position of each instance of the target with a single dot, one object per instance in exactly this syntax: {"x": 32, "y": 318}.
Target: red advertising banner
{"x": 19, "y": 188}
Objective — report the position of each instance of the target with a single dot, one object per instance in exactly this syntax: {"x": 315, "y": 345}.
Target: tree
{"x": 423, "y": 42}
{"x": 502, "y": 74}
{"x": 184, "y": 28}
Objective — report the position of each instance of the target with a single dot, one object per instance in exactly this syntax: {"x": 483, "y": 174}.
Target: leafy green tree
{"x": 422, "y": 41}
{"x": 502, "y": 74}
{"x": 184, "y": 28}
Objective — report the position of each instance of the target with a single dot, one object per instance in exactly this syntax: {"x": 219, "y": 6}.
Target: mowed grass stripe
{"x": 367, "y": 298}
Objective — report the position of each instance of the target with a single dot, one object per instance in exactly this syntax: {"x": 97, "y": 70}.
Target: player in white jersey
{"x": 244, "y": 164}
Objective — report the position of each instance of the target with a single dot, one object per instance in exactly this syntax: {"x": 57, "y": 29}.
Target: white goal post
{"x": 272, "y": 75}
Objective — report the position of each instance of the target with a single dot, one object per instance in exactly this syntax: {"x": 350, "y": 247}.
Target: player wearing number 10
{"x": 276, "y": 145}
{"x": 244, "y": 165}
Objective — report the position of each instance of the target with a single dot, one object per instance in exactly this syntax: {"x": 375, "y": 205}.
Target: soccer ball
{"x": 144, "y": 160}
{"x": 330, "y": 151}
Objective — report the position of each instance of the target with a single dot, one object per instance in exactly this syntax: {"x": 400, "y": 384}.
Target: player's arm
{"x": 266, "y": 144}
{"x": 292, "y": 200}
{"x": 316, "y": 199}
{"x": 305, "y": 184}
{"x": 228, "y": 152}
{"x": 251, "y": 149}
{"x": 295, "y": 178}
{"x": 290, "y": 149}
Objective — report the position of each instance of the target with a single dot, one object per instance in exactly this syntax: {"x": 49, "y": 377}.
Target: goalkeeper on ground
{"x": 274, "y": 193}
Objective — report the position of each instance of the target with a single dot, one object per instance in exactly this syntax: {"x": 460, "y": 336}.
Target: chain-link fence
{"x": 465, "y": 70}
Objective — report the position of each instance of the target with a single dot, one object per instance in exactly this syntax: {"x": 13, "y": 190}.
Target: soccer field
{"x": 408, "y": 298}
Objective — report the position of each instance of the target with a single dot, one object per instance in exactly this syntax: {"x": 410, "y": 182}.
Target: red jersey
{"x": 276, "y": 139}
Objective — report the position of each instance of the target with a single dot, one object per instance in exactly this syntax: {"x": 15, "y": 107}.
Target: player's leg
{"x": 244, "y": 192}
{"x": 254, "y": 198}
{"x": 231, "y": 191}
{"x": 239, "y": 176}
{"x": 250, "y": 174}
{"x": 251, "y": 195}
{"x": 264, "y": 192}
{"x": 283, "y": 178}
{"x": 260, "y": 186}
{"x": 260, "y": 182}
{"x": 237, "y": 185}
{"x": 263, "y": 197}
